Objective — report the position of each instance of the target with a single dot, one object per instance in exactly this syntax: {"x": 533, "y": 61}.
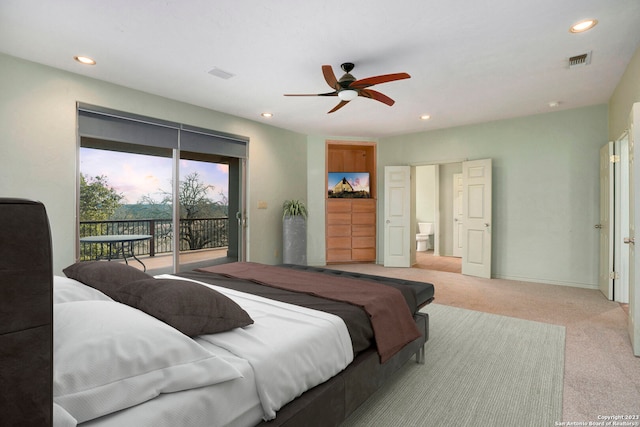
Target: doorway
{"x": 476, "y": 228}
{"x": 613, "y": 279}
{"x": 435, "y": 203}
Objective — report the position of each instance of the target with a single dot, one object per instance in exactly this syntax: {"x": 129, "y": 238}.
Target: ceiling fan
{"x": 348, "y": 88}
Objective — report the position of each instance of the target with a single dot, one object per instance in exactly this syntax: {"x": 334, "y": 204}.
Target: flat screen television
{"x": 351, "y": 185}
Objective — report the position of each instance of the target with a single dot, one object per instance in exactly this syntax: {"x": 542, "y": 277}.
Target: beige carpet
{"x": 601, "y": 375}
{"x": 480, "y": 370}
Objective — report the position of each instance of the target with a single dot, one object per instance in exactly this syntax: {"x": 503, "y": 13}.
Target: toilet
{"x": 422, "y": 238}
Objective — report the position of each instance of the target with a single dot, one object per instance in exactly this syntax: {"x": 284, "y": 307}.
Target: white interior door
{"x": 605, "y": 277}
{"x": 621, "y": 220}
{"x": 397, "y": 216}
{"x": 634, "y": 218}
{"x": 476, "y": 207}
{"x": 458, "y": 216}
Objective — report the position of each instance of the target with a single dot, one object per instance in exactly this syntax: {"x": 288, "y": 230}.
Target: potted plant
{"x": 294, "y": 232}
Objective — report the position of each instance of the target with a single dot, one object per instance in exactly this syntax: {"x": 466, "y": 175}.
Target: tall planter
{"x": 294, "y": 232}
{"x": 294, "y": 239}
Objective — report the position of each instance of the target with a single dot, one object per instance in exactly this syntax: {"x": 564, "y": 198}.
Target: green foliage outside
{"x": 98, "y": 201}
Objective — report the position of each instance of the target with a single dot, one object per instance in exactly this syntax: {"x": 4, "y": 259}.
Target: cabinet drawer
{"x": 339, "y": 243}
{"x": 364, "y": 218}
{"x": 338, "y": 219}
{"x": 339, "y": 255}
{"x": 360, "y": 206}
{"x": 336, "y": 206}
{"x": 363, "y": 230}
{"x": 338, "y": 230}
{"x": 363, "y": 242}
{"x": 368, "y": 254}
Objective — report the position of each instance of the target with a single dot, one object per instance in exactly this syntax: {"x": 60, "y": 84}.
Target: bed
{"x": 234, "y": 345}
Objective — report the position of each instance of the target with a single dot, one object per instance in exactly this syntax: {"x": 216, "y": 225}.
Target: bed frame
{"x": 330, "y": 403}
{"x": 26, "y": 336}
{"x": 26, "y": 314}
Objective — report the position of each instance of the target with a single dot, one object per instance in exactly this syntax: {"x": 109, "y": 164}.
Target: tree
{"x": 194, "y": 204}
{"x": 98, "y": 200}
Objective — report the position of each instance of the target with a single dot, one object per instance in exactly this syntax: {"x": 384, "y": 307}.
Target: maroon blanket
{"x": 391, "y": 320}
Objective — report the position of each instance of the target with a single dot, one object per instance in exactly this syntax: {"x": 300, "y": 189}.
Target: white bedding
{"x": 287, "y": 350}
{"x": 290, "y": 348}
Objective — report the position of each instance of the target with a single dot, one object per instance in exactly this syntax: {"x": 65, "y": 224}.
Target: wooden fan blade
{"x": 339, "y": 106}
{"x": 374, "y": 94}
{"x": 312, "y": 94}
{"x": 330, "y": 77}
{"x": 376, "y": 80}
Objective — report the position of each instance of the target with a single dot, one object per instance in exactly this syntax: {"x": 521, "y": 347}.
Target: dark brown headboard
{"x": 26, "y": 314}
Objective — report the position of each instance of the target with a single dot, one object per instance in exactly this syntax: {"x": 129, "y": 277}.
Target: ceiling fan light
{"x": 348, "y": 94}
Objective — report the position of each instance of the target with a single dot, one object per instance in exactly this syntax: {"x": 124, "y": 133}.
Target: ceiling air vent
{"x": 580, "y": 60}
{"x": 221, "y": 73}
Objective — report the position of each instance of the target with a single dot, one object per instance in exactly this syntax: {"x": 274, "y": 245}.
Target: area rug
{"x": 480, "y": 370}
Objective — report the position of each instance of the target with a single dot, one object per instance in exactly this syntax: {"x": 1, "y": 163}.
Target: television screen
{"x": 353, "y": 185}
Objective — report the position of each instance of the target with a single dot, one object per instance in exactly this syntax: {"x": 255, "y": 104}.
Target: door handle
{"x": 598, "y": 226}
{"x": 486, "y": 224}
{"x": 629, "y": 240}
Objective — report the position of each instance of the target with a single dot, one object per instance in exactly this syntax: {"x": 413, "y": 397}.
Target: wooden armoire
{"x": 351, "y": 222}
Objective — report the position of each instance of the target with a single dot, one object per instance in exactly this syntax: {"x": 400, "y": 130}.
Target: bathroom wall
{"x": 446, "y": 206}
{"x": 425, "y": 194}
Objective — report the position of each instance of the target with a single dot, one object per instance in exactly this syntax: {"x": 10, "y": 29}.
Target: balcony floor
{"x": 190, "y": 260}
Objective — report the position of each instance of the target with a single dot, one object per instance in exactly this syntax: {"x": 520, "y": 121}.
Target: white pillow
{"x": 66, "y": 290}
{"x": 109, "y": 356}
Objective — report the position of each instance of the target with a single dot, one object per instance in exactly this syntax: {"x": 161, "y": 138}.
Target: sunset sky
{"x": 136, "y": 175}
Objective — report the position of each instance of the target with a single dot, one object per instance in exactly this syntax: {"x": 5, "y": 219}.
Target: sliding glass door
{"x": 158, "y": 195}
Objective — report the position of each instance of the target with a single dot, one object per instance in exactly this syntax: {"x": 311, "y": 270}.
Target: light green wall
{"x": 38, "y": 149}
{"x": 545, "y": 168}
{"x": 545, "y": 188}
{"x": 627, "y": 92}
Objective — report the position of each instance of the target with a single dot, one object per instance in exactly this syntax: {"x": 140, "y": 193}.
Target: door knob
{"x": 486, "y": 224}
{"x": 598, "y": 226}
{"x": 629, "y": 240}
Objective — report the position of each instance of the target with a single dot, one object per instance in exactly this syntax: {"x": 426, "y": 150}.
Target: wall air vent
{"x": 580, "y": 60}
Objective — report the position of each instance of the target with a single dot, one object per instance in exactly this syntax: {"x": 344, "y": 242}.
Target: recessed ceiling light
{"x": 554, "y": 104}
{"x": 582, "y": 26}
{"x": 266, "y": 115}
{"x": 85, "y": 60}
{"x": 425, "y": 117}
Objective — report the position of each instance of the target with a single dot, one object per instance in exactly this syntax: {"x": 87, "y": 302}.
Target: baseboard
{"x": 547, "y": 282}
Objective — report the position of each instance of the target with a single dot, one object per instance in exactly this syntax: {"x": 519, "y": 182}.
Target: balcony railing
{"x": 194, "y": 234}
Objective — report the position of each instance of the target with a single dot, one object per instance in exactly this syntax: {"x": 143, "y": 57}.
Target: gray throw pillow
{"x": 191, "y": 308}
{"x": 104, "y": 276}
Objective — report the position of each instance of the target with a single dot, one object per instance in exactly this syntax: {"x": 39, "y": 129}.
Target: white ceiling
{"x": 471, "y": 61}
